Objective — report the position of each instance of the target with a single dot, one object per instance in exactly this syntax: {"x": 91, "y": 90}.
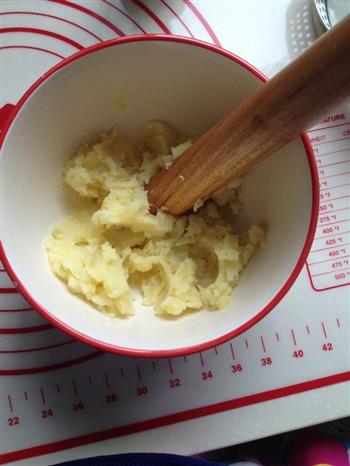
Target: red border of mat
{"x": 179, "y": 417}
{"x": 175, "y": 418}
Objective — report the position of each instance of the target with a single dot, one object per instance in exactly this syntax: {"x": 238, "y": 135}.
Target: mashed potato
{"x": 113, "y": 244}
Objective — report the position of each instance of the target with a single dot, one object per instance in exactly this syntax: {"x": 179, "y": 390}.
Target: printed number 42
{"x": 327, "y": 347}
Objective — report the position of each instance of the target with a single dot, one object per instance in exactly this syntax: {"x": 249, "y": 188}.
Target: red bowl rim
{"x": 150, "y": 353}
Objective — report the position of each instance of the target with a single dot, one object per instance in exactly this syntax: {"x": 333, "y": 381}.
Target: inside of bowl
{"x": 190, "y": 87}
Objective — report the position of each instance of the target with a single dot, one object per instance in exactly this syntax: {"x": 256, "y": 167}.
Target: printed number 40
{"x": 298, "y": 353}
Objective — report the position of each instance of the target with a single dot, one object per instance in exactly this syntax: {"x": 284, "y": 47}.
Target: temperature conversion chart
{"x": 56, "y": 393}
{"x": 329, "y": 261}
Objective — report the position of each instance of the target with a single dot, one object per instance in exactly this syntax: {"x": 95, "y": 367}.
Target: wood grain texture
{"x": 275, "y": 114}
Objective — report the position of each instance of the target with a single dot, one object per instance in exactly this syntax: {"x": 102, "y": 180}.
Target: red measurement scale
{"x": 56, "y": 393}
{"x": 115, "y": 396}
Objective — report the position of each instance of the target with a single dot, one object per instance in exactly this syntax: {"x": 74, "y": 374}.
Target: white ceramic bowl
{"x": 191, "y": 85}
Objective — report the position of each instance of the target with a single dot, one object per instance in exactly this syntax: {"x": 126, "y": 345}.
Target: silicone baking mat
{"x": 55, "y": 392}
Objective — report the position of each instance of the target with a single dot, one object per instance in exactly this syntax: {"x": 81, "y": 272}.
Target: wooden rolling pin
{"x": 275, "y": 114}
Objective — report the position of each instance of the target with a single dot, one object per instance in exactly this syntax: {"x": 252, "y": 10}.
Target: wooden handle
{"x": 276, "y": 113}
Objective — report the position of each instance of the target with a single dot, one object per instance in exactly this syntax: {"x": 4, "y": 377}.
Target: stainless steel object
{"x": 326, "y": 13}
{"x": 320, "y": 16}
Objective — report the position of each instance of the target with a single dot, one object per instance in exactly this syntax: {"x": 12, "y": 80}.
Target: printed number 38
{"x": 266, "y": 361}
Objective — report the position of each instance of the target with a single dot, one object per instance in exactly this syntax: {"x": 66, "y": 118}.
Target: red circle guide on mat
{"x": 50, "y": 379}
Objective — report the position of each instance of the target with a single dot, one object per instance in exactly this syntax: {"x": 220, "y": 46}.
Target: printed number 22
{"x": 13, "y": 421}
